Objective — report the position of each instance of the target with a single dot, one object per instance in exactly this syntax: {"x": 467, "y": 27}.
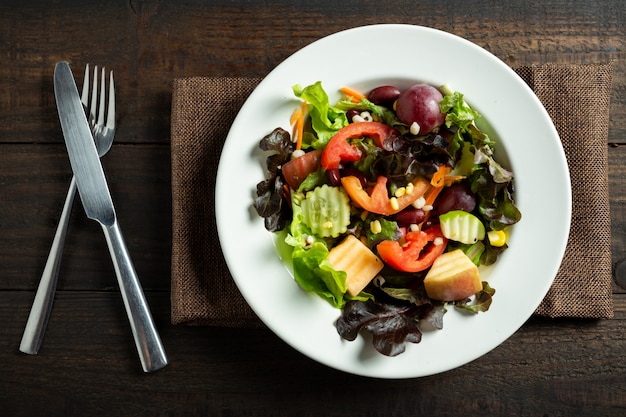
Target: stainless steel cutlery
{"x": 85, "y": 142}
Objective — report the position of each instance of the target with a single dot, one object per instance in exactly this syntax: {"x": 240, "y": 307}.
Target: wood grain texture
{"x": 35, "y": 180}
{"x": 88, "y": 366}
{"x": 549, "y": 367}
{"x": 148, "y": 43}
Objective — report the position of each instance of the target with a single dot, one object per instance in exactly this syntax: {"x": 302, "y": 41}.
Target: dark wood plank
{"x": 33, "y": 185}
{"x": 149, "y": 43}
{"x": 218, "y": 371}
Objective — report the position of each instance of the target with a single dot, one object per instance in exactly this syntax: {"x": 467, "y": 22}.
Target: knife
{"x": 96, "y": 199}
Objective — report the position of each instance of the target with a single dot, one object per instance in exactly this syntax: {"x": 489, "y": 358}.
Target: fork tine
{"x": 94, "y": 96}
{"x": 111, "y": 110}
{"x": 84, "y": 98}
{"x": 102, "y": 99}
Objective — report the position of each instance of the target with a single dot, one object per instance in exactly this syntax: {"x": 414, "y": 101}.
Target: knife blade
{"x": 96, "y": 198}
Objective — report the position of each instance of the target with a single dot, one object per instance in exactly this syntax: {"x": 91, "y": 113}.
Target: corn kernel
{"x": 297, "y": 153}
{"x": 394, "y": 203}
{"x": 497, "y": 238}
{"x": 376, "y": 227}
{"x": 400, "y": 192}
{"x": 419, "y": 203}
{"x": 409, "y": 188}
{"x": 414, "y": 128}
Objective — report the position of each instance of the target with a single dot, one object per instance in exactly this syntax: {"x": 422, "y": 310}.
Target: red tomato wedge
{"x": 296, "y": 170}
{"x": 339, "y": 149}
{"x": 378, "y": 201}
{"x": 417, "y": 255}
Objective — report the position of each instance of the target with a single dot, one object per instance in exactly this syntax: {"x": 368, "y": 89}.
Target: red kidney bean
{"x": 355, "y": 173}
{"x": 410, "y": 216}
{"x": 384, "y": 95}
{"x": 350, "y": 114}
{"x": 458, "y": 196}
{"x": 334, "y": 177}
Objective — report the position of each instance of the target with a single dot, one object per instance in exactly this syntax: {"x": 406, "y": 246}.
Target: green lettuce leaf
{"x": 313, "y": 273}
{"x": 458, "y": 112}
{"x": 326, "y": 120}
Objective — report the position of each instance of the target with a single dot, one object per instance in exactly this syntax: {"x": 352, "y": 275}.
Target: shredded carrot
{"x": 432, "y": 195}
{"x": 439, "y": 181}
{"x": 297, "y": 121}
{"x": 295, "y": 116}
{"x": 354, "y": 96}
{"x": 451, "y": 179}
{"x": 438, "y": 178}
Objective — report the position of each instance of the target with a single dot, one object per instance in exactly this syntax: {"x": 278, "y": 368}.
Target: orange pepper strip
{"x": 378, "y": 201}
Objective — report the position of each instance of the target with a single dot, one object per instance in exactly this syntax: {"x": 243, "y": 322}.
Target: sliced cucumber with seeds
{"x": 326, "y": 211}
{"x": 461, "y": 226}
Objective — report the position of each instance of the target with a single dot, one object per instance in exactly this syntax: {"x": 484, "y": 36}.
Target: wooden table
{"x": 88, "y": 365}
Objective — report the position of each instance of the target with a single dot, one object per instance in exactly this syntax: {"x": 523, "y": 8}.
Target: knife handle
{"x": 147, "y": 340}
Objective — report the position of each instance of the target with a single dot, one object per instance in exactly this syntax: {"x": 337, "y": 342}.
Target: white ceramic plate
{"x": 364, "y": 58}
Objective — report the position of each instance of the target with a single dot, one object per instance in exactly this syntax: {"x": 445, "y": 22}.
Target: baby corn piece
{"x": 357, "y": 260}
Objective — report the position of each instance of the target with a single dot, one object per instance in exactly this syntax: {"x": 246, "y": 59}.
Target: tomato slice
{"x": 340, "y": 150}
{"x": 417, "y": 255}
{"x": 378, "y": 201}
{"x": 296, "y": 170}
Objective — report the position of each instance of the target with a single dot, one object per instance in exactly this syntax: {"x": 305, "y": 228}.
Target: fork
{"x": 103, "y": 137}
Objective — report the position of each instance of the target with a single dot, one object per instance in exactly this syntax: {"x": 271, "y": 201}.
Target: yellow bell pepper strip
{"x": 339, "y": 149}
{"x": 378, "y": 201}
{"x": 417, "y": 254}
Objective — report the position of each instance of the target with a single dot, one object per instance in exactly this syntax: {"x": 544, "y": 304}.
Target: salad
{"x": 388, "y": 203}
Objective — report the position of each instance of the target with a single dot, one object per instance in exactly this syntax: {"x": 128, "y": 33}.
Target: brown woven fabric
{"x": 577, "y": 99}
{"x": 203, "y": 293}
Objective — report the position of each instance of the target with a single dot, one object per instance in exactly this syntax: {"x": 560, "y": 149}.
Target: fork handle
{"x": 42, "y": 305}
{"x": 147, "y": 340}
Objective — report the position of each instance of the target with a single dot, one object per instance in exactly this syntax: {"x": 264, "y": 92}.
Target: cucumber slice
{"x": 326, "y": 211}
{"x": 461, "y": 226}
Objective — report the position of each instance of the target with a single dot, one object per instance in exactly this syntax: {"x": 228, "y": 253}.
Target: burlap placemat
{"x": 203, "y": 292}
{"x": 577, "y": 98}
